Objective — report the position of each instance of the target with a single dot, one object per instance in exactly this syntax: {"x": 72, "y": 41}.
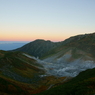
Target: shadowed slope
{"x": 83, "y": 84}
{"x": 38, "y": 48}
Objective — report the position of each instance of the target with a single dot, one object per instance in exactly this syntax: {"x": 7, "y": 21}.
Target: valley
{"x": 45, "y": 68}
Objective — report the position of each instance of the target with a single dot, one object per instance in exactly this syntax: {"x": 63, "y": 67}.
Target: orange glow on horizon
{"x": 31, "y": 37}
{"x": 55, "y": 39}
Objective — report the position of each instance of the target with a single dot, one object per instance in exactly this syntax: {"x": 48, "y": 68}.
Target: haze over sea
{"x": 10, "y": 45}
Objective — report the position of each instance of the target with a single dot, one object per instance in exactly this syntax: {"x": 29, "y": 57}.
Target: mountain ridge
{"x": 41, "y": 48}
{"x": 38, "y": 47}
{"x": 68, "y": 57}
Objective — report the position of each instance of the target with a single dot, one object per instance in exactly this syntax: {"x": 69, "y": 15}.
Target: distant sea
{"x": 10, "y": 45}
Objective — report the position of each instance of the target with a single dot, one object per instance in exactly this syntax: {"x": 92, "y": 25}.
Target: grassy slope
{"x": 83, "y": 84}
{"x": 18, "y": 62}
{"x": 19, "y": 75}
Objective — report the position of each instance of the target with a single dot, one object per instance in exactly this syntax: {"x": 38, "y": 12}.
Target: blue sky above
{"x": 26, "y": 20}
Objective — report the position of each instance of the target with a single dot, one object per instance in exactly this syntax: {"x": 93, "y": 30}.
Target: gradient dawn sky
{"x": 55, "y": 20}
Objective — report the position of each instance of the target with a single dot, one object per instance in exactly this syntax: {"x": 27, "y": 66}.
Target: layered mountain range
{"x": 58, "y": 68}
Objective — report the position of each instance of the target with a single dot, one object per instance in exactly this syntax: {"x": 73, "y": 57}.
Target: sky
{"x": 55, "y": 20}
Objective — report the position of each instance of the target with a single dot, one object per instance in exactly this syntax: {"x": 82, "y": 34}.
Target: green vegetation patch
{"x": 83, "y": 84}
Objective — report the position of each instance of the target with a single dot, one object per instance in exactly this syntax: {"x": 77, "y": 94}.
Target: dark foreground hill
{"x": 83, "y": 84}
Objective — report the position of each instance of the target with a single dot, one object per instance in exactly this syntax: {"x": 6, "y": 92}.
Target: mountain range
{"x": 42, "y": 48}
{"x": 50, "y": 68}
{"x": 66, "y": 58}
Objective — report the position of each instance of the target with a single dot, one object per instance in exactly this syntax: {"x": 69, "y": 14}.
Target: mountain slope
{"x": 38, "y": 48}
{"x": 85, "y": 43}
{"x": 42, "y": 48}
{"x": 15, "y": 62}
{"x": 83, "y": 84}
{"x": 74, "y": 55}
{"x": 68, "y": 57}
{"x": 19, "y": 74}
{"x": 22, "y": 74}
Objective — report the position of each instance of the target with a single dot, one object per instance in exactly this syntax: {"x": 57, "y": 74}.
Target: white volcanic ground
{"x": 61, "y": 67}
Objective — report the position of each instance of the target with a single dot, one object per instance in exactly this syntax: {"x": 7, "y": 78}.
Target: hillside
{"x": 38, "y": 48}
{"x": 42, "y": 48}
{"x": 83, "y": 84}
{"x": 74, "y": 55}
{"x": 84, "y": 42}
{"x": 22, "y": 74}
{"x": 17, "y": 72}
{"x": 66, "y": 58}
{"x": 59, "y": 62}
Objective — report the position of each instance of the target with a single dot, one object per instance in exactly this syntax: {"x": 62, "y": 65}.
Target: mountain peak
{"x": 38, "y": 47}
{"x": 41, "y": 40}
